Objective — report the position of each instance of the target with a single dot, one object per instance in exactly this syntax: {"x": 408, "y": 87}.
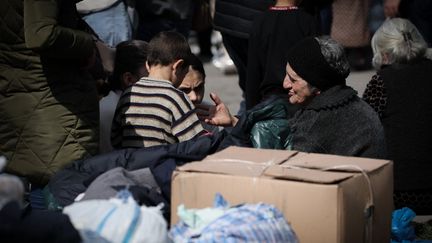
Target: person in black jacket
{"x": 400, "y": 93}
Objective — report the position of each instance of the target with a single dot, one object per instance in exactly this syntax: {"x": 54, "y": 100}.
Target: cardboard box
{"x": 321, "y": 205}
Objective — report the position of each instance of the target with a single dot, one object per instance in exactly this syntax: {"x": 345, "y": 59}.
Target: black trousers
{"x": 237, "y": 49}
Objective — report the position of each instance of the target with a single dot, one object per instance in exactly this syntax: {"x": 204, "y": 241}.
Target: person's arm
{"x": 216, "y": 115}
{"x": 44, "y": 34}
{"x": 375, "y": 94}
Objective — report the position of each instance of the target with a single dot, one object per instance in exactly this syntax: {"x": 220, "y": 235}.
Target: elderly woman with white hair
{"x": 400, "y": 93}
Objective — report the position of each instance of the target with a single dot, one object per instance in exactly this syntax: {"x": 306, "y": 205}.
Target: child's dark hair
{"x": 130, "y": 57}
{"x": 167, "y": 47}
{"x": 197, "y": 65}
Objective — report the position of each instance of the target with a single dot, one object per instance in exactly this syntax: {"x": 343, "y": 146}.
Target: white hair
{"x": 397, "y": 41}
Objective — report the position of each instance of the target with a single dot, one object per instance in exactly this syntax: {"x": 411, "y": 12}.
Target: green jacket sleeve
{"x": 43, "y": 34}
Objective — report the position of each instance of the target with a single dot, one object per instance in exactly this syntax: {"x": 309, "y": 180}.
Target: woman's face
{"x": 299, "y": 91}
{"x": 193, "y": 86}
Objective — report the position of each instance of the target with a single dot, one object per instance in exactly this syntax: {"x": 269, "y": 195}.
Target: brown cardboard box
{"x": 321, "y": 205}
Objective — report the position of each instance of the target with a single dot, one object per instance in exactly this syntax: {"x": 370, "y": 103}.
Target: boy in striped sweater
{"x": 153, "y": 111}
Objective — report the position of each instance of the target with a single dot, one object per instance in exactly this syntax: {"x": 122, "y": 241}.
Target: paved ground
{"x": 226, "y": 86}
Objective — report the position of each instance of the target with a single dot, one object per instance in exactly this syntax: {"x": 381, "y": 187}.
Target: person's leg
{"x": 326, "y": 19}
{"x": 351, "y": 29}
{"x": 204, "y": 42}
{"x": 237, "y": 49}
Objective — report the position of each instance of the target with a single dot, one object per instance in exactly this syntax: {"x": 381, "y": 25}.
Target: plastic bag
{"x": 271, "y": 134}
{"x": 402, "y": 230}
{"x": 119, "y": 219}
{"x": 257, "y": 222}
{"x": 269, "y": 124}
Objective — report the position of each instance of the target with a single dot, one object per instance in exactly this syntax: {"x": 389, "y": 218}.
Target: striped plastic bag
{"x": 118, "y": 219}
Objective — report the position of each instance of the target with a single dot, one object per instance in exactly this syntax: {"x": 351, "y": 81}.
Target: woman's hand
{"x": 217, "y": 114}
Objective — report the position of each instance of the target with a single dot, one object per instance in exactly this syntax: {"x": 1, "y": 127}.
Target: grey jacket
{"x": 338, "y": 122}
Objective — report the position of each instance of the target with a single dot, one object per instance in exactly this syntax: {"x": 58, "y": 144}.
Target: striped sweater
{"x": 153, "y": 112}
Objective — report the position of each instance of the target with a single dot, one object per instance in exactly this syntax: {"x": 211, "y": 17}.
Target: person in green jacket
{"x": 48, "y": 98}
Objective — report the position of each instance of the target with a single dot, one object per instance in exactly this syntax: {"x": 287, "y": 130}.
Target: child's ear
{"x": 178, "y": 64}
{"x": 179, "y": 72}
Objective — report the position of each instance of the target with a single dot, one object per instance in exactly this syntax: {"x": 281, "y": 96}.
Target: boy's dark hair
{"x": 167, "y": 47}
{"x": 130, "y": 57}
{"x": 197, "y": 65}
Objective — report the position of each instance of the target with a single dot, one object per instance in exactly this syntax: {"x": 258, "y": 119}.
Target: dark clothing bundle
{"x": 274, "y": 33}
{"x": 18, "y": 225}
{"x": 338, "y": 122}
{"x": 162, "y": 160}
{"x": 407, "y": 119}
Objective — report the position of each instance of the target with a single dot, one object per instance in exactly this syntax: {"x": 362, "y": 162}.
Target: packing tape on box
{"x": 264, "y": 166}
{"x": 369, "y": 210}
